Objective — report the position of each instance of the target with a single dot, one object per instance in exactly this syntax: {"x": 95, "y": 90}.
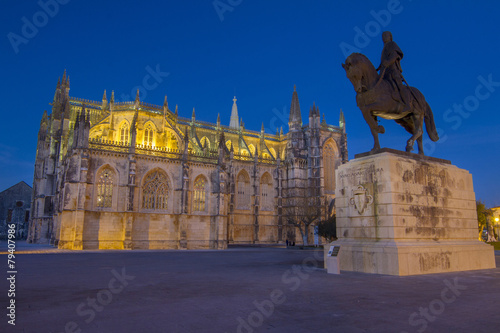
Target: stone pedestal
{"x": 405, "y": 214}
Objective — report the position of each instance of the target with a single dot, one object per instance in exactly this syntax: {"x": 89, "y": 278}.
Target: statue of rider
{"x": 390, "y": 67}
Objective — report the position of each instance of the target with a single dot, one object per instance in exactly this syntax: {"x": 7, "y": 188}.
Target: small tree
{"x": 302, "y": 212}
{"x": 483, "y": 216}
{"x": 328, "y": 228}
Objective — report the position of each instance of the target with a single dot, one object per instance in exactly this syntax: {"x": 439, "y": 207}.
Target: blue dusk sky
{"x": 202, "y": 53}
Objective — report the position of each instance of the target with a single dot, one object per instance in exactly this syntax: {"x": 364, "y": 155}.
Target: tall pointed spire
{"x": 112, "y": 105}
{"x": 58, "y": 90}
{"x": 186, "y": 142}
{"x": 45, "y": 117}
{"x": 222, "y": 140}
{"x": 295, "y": 119}
{"x": 104, "y": 100}
{"x": 165, "y": 105}
{"x": 342, "y": 120}
{"x": 137, "y": 99}
{"x": 193, "y": 115}
{"x": 234, "y": 122}
{"x": 312, "y": 110}
{"x": 133, "y": 132}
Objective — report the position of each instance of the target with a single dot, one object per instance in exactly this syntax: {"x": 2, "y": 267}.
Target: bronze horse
{"x": 374, "y": 97}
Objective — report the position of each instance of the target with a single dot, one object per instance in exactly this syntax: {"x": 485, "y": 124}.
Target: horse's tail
{"x": 430, "y": 126}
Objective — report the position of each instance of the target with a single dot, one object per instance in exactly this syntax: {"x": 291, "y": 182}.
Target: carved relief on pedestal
{"x": 360, "y": 199}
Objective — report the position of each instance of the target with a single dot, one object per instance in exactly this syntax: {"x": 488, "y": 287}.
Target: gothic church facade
{"x": 133, "y": 175}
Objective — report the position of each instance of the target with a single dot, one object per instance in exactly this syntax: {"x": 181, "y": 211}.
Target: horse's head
{"x": 360, "y": 71}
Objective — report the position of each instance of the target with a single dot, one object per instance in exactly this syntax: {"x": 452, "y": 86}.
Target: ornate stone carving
{"x": 360, "y": 199}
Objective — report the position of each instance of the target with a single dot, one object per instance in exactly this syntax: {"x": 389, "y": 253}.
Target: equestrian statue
{"x": 384, "y": 93}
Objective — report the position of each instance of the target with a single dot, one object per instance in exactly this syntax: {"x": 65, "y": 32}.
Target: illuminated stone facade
{"x": 132, "y": 175}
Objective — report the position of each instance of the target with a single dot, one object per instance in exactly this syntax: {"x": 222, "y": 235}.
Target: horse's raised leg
{"x": 418, "y": 123}
{"x": 374, "y": 128}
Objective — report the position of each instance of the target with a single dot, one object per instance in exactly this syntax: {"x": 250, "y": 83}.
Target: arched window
{"x": 266, "y": 192}
{"x": 252, "y": 149}
{"x": 105, "y": 188}
{"x": 228, "y": 144}
{"x": 155, "y": 191}
{"x": 329, "y": 166}
{"x": 124, "y": 132}
{"x": 243, "y": 190}
{"x": 199, "y": 194}
{"x": 148, "y": 135}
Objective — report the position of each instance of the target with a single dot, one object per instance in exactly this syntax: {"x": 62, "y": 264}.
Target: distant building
{"x": 495, "y": 219}
{"x": 15, "y": 204}
{"x": 496, "y": 213}
{"x": 133, "y": 175}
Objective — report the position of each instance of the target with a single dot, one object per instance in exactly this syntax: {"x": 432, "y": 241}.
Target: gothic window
{"x": 148, "y": 135}
{"x": 266, "y": 192}
{"x": 124, "y": 132}
{"x": 243, "y": 190}
{"x": 105, "y": 188}
{"x": 228, "y": 144}
{"x": 155, "y": 191}
{"x": 252, "y": 149}
{"x": 329, "y": 166}
{"x": 199, "y": 194}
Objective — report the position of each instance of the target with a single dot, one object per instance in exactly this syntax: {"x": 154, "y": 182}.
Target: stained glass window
{"x": 105, "y": 188}
{"x": 148, "y": 136}
{"x": 200, "y": 194}
{"x": 155, "y": 191}
{"x": 124, "y": 133}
